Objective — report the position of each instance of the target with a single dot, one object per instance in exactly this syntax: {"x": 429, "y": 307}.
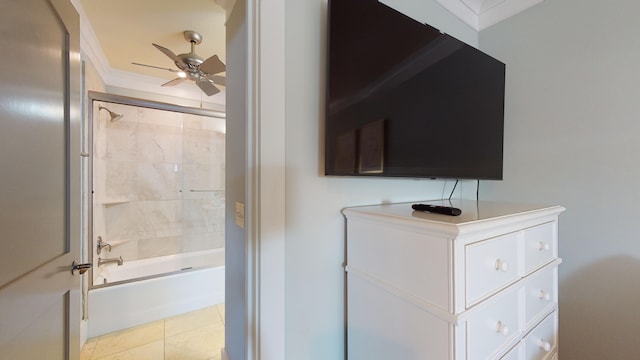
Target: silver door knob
{"x": 82, "y": 268}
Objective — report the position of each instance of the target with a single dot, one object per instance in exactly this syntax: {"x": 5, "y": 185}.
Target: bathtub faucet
{"x": 118, "y": 261}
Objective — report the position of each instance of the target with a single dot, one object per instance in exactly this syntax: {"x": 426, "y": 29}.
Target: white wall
{"x": 315, "y": 239}
{"x": 571, "y": 138}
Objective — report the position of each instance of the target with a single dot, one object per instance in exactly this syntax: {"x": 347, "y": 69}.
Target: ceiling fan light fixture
{"x": 193, "y": 67}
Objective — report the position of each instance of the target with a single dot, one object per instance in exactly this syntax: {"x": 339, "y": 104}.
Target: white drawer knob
{"x": 502, "y": 265}
{"x": 542, "y": 246}
{"x": 502, "y": 328}
{"x": 544, "y": 345}
{"x": 544, "y": 295}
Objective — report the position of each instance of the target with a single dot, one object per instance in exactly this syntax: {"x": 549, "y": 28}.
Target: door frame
{"x": 265, "y": 170}
{"x": 265, "y": 188}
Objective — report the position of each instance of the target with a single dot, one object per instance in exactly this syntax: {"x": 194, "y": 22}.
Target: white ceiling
{"x": 124, "y": 31}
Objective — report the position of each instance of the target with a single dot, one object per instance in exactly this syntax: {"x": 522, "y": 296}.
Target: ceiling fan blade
{"x": 156, "y": 67}
{"x": 212, "y": 65}
{"x": 169, "y": 53}
{"x": 207, "y": 87}
{"x": 174, "y": 82}
{"x": 218, "y": 79}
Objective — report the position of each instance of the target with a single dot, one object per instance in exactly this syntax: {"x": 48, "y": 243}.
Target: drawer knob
{"x": 544, "y": 345}
{"x": 502, "y": 265}
{"x": 502, "y": 328}
{"x": 544, "y": 295}
{"x": 542, "y": 246}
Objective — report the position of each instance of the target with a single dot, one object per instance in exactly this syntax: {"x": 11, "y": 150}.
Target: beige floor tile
{"x": 195, "y": 335}
{"x": 88, "y": 348}
{"x": 127, "y": 339}
{"x": 191, "y": 321}
{"x": 219, "y": 357}
{"x": 221, "y": 311}
{"x": 200, "y": 344}
{"x": 152, "y": 351}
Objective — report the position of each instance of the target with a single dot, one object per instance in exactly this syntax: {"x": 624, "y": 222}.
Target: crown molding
{"x": 227, "y": 5}
{"x": 480, "y": 14}
{"x": 89, "y": 44}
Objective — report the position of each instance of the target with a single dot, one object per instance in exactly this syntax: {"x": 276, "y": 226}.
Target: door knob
{"x": 82, "y": 268}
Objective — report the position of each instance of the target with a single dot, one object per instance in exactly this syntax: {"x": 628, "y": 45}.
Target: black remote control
{"x": 445, "y": 210}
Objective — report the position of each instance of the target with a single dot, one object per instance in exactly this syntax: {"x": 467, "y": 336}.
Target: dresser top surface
{"x": 472, "y": 211}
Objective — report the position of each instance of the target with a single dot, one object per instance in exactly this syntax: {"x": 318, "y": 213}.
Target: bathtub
{"x": 194, "y": 281}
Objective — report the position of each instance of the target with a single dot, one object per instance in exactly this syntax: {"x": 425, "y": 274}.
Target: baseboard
{"x": 224, "y": 354}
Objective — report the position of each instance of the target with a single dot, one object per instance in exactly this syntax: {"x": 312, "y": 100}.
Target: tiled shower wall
{"x": 158, "y": 182}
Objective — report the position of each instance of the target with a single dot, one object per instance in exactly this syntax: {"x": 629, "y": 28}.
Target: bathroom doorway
{"x": 156, "y": 213}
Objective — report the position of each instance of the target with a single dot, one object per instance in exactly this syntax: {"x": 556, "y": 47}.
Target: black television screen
{"x": 405, "y": 100}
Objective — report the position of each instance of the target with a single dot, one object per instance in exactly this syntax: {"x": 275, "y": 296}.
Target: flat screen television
{"x": 405, "y": 100}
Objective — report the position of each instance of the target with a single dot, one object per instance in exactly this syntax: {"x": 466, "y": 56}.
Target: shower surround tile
{"x": 191, "y": 121}
{"x": 129, "y": 113}
{"x": 148, "y": 248}
{"x": 202, "y": 146}
{"x": 128, "y": 249}
{"x": 122, "y": 180}
{"x": 203, "y": 227}
{"x": 201, "y": 178}
{"x": 158, "y": 143}
{"x": 159, "y": 117}
{"x": 145, "y": 166}
{"x": 159, "y": 181}
{"x": 159, "y": 218}
{"x": 202, "y": 241}
{"x": 121, "y": 140}
{"x": 202, "y": 215}
{"x": 121, "y": 222}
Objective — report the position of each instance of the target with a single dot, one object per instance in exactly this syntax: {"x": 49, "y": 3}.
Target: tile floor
{"x": 198, "y": 335}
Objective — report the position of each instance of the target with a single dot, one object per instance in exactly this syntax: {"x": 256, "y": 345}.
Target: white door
{"x": 39, "y": 179}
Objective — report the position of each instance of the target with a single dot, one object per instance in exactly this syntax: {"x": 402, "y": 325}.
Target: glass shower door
{"x": 158, "y": 190}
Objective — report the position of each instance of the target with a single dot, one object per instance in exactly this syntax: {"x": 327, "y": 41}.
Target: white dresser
{"x": 482, "y": 285}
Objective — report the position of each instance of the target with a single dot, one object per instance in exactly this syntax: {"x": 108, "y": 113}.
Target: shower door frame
{"x": 130, "y": 101}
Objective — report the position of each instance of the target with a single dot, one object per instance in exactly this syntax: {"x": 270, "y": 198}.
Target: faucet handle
{"x": 101, "y": 245}
{"x": 119, "y": 261}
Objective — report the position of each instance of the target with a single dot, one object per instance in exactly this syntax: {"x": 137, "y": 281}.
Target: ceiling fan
{"x": 193, "y": 67}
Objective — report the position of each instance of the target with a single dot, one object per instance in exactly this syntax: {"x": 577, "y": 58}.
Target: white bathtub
{"x": 119, "y": 305}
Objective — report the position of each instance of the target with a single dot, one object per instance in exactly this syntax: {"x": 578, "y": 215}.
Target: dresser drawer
{"x": 540, "y": 294}
{"x": 540, "y": 343}
{"x": 492, "y": 326}
{"x": 540, "y": 246}
{"x": 490, "y": 265}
